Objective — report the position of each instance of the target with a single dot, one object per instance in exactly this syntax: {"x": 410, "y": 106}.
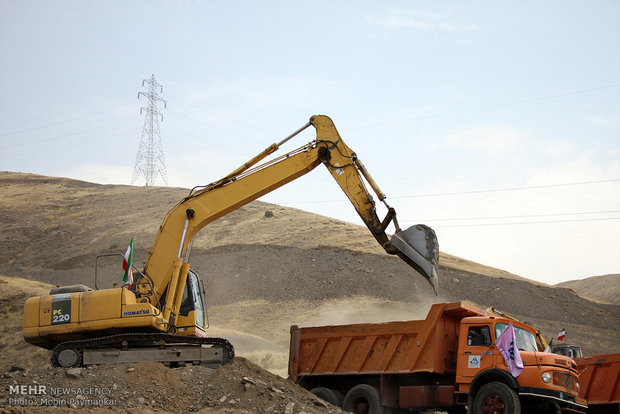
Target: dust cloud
{"x": 365, "y": 309}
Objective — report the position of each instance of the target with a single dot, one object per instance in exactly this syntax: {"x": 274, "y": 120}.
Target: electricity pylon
{"x": 150, "y": 159}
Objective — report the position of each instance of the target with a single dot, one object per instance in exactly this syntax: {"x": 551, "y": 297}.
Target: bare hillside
{"x": 263, "y": 273}
{"x": 604, "y": 288}
{"x": 60, "y": 224}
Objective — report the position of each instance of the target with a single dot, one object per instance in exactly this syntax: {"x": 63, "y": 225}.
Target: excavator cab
{"x": 193, "y": 301}
{"x": 571, "y": 351}
{"x": 192, "y": 318}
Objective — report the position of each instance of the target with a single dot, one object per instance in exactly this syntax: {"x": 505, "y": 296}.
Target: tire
{"x": 331, "y": 396}
{"x": 339, "y": 398}
{"x": 497, "y": 398}
{"x": 363, "y": 399}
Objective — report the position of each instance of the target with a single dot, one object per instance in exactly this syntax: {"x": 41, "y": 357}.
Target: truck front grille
{"x": 565, "y": 380}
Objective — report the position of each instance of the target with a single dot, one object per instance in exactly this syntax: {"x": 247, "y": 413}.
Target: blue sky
{"x": 495, "y": 122}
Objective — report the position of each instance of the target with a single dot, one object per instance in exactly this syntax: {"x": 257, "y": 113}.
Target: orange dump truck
{"x": 599, "y": 378}
{"x": 446, "y": 362}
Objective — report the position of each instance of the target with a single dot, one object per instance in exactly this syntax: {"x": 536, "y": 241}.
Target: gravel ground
{"x": 240, "y": 387}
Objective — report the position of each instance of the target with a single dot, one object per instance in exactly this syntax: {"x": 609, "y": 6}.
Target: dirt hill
{"x": 604, "y": 288}
{"x": 52, "y": 223}
{"x": 262, "y": 275}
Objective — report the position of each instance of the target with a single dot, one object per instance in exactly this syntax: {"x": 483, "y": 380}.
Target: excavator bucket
{"x": 418, "y": 247}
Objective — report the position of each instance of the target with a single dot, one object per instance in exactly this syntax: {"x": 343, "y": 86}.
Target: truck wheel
{"x": 363, "y": 399}
{"x": 496, "y": 398}
{"x": 331, "y": 396}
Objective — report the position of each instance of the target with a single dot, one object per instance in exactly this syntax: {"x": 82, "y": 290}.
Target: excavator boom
{"x": 417, "y": 246}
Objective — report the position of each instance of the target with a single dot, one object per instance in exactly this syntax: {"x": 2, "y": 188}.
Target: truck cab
{"x": 548, "y": 381}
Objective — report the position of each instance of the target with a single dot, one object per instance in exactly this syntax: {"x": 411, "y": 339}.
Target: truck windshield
{"x": 525, "y": 339}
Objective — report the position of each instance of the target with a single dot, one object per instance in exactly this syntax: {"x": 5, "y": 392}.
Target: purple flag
{"x": 507, "y": 345}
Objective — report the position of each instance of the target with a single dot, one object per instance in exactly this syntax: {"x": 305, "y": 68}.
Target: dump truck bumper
{"x": 566, "y": 401}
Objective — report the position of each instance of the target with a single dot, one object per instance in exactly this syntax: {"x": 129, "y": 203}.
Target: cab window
{"x": 196, "y": 298}
{"x": 525, "y": 339}
{"x": 479, "y": 336}
{"x": 192, "y": 299}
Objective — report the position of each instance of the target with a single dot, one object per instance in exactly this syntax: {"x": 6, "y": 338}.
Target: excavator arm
{"x": 166, "y": 263}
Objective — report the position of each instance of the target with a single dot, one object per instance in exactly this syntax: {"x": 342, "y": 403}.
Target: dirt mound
{"x": 30, "y": 384}
{"x": 240, "y": 387}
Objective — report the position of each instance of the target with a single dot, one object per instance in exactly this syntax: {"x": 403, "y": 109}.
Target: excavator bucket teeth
{"x": 418, "y": 247}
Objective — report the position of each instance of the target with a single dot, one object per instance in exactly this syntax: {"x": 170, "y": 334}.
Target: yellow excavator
{"x": 162, "y": 316}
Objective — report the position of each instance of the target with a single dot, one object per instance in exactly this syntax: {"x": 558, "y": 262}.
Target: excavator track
{"x": 71, "y": 353}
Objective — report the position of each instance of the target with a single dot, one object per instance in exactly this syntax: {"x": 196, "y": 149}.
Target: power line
{"x": 528, "y": 222}
{"x": 520, "y": 216}
{"x": 108, "y": 129}
{"x": 36, "y": 128}
{"x": 508, "y": 189}
{"x": 223, "y": 117}
{"x": 484, "y": 108}
{"x": 215, "y": 127}
{"x": 473, "y": 191}
{"x": 25, "y": 144}
{"x": 80, "y": 106}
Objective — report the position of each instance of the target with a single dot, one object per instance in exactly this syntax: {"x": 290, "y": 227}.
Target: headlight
{"x": 546, "y": 377}
{"x": 577, "y": 387}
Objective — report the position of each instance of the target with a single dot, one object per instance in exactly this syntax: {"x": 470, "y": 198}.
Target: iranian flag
{"x": 562, "y": 335}
{"x": 128, "y": 277}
